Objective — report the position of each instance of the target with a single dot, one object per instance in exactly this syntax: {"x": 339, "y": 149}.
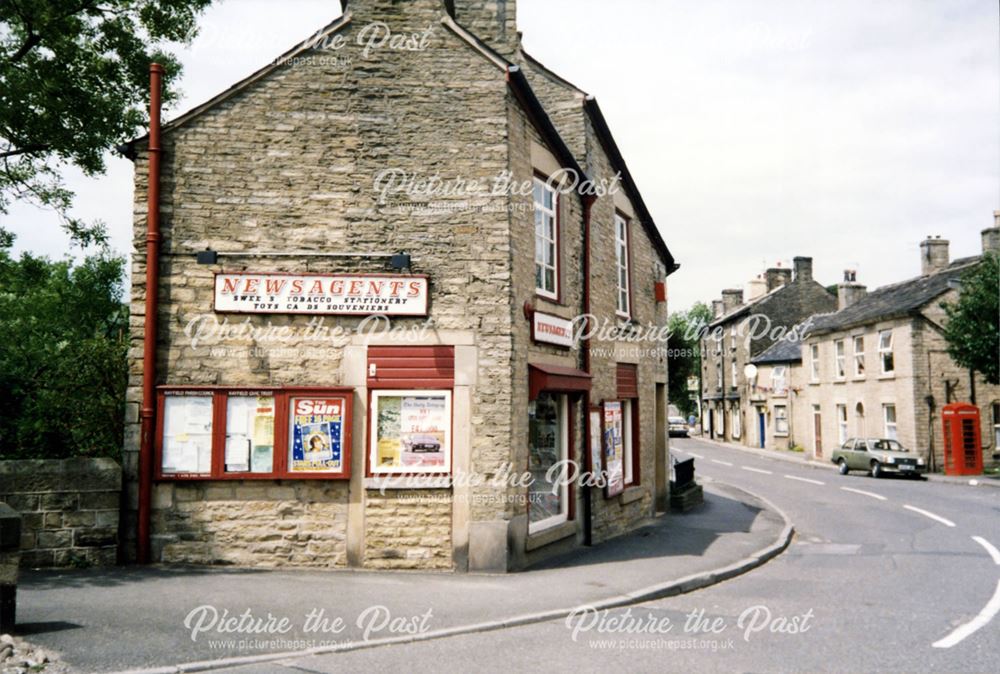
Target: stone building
{"x": 878, "y": 367}
{"x": 771, "y": 411}
{"x": 740, "y": 332}
{"x": 431, "y": 179}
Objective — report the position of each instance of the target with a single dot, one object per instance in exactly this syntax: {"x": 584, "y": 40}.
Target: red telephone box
{"x": 963, "y": 454}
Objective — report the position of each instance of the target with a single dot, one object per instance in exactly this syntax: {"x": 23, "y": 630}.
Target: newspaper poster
{"x": 412, "y": 432}
{"x": 317, "y": 427}
{"x": 614, "y": 447}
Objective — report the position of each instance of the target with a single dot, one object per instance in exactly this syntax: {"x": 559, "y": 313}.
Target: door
{"x": 818, "y": 433}
{"x": 761, "y": 427}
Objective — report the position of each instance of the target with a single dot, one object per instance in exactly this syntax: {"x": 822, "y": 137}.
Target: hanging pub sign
{"x": 614, "y": 447}
{"x": 336, "y": 294}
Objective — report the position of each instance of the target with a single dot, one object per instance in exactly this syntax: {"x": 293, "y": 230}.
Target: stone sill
{"x": 549, "y": 536}
{"x": 428, "y": 482}
{"x": 631, "y": 494}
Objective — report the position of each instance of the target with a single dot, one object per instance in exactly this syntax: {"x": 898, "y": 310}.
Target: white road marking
{"x": 697, "y": 456}
{"x": 970, "y": 627}
{"x": 757, "y": 470}
{"x": 804, "y": 479}
{"x": 994, "y": 553}
{"x": 925, "y": 513}
{"x": 865, "y": 493}
{"x": 721, "y": 463}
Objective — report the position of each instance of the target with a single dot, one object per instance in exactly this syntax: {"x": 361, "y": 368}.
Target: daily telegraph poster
{"x": 317, "y": 426}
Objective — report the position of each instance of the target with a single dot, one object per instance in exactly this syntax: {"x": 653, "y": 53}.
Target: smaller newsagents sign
{"x": 350, "y": 294}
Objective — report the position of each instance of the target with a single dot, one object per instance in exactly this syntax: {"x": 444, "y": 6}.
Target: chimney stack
{"x": 803, "y": 269}
{"x": 776, "y": 277}
{"x": 492, "y": 21}
{"x": 933, "y": 255}
{"x": 731, "y": 298}
{"x": 716, "y": 308}
{"x": 991, "y": 236}
{"x": 756, "y": 287}
{"x": 849, "y": 291}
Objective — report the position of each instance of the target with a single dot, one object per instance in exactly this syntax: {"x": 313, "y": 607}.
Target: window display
{"x": 410, "y": 432}
{"x": 548, "y": 502}
{"x": 315, "y": 443}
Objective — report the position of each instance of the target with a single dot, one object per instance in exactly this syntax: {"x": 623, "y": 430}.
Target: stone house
{"x": 433, "y": 183}
{"x": 771, "y": 412}
{"x": 878, "y": 367}
{"x": 740, "y": 332}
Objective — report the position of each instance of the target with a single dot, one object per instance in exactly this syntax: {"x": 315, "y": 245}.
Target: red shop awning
{"x": 543, "y": 377}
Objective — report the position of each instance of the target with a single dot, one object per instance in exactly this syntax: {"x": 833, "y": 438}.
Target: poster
{"x": 317, "y": 426}
{"x": 595, "y": 442}
{"x": 614, "y": 447}
{"x": 249, "y": 434}
{"x": 411, "y": 432}
{"x": 187, "y": 434}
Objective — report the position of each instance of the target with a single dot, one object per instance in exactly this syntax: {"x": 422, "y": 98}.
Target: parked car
{"x": 422, "y": 443}
{"x": 677, "y": 427}
{"x": 878, "y": 456}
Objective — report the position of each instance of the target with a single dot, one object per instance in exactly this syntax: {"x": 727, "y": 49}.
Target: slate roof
{"x": 786, "y": 350}
{"x": 893, "y": 301}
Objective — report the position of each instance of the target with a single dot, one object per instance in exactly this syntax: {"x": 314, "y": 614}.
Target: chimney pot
{"x": 933, "y": 255}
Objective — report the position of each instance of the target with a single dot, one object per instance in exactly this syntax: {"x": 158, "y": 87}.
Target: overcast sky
{"x": 846, "y": 131}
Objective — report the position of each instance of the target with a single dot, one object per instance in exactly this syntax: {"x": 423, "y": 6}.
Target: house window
{"x": 889, "y": 417}
{"x": 734, "y": 372}
{"x": 859, "y": 356}
{"x": 546, "y": 241}
{"x": 996, "y": 426}
{"x": 814, "y": 362}
{"x": 779, "y": 385}
{"x": 841, "y": 424}
{"x": 737, "y": 421}
{"x": 621, "y": 262}
{"x": 718, "y": 371}
{"x": 780, "y": 420}
{"x": 885, "y": 352}
{"x": 732, "y": 340}
{"x": 839, "y": 358}
{"x": 548, "y": 433}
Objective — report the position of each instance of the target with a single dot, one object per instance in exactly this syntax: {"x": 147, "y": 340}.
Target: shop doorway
{"x": 761, "y": 427}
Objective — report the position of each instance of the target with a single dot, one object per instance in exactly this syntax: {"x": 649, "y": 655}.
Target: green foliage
{"x": 74, "y": 83}
{"x": 63, "y": 342}
{"x": 973, "y": 327}
{"x": 684, "y": 353}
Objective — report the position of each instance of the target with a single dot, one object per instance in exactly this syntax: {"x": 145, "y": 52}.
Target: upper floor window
{"x": 778, "y": 382}
{"x": 718, "y": 370}
{"x": 732, "y": 340}
{"x": 546, "y": 241}
{"x": 734, "y": 371}
{"x": 622, "y": 298}
{"x": 814, "y": 362}
{"x": 885, "y": 352}
{"x": 839, "y": 359}
{"x": 859, "y": 356}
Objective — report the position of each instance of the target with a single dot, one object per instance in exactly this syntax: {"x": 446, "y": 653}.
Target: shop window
{"x": 623, "y": 297}
{"x": 546, "y": 240}
{"x": 889, "y": 417}
{"x": 226, "y": 433}
{"x": 885, "y": 352}
{"x": 841, "y": 424}
{"x": 780, "y": 420}
{"x": 839, "y": 359}
{"x": 410, "y": 432}
{"x": 814, "y": 362}
{"x": 996, "y": 426}
{"x": 548, "y": 437}
{"x": 859, "y": 356}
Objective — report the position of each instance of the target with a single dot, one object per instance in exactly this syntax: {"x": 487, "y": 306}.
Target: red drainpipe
{"x": 147, "y": 413}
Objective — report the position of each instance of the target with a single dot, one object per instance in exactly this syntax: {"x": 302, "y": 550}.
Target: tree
{"x": 63, "y": 344}
{"x": 684, "y": 353}
{"x": 973, "y": 327}
{"x": 74, "y": 80}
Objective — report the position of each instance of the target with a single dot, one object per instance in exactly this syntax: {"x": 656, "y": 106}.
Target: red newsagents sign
{"x": 338, "y": 294}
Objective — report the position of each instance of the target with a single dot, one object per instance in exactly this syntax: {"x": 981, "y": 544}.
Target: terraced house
{"x": 355, "y": 284}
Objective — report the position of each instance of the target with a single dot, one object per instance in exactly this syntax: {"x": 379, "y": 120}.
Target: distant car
{"x": 878, "y": 456}
{"x": 422, "y": 443}
{"x": 677, "y": 427}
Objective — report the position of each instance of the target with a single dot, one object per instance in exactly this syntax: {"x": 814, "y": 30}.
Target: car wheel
{"x": 843, "y": 467}
{"x": 876, "y": 469}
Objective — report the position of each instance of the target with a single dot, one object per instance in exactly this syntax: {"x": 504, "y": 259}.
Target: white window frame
{"x": 885, "y": 350}
{"x": 737, "y": 420}
{"x": 563, "y": 515}
{"x": 890, "y": 428}
{"x": 553, "y": 214}
{"x": 718, "y": 369}
{"x": 841, "y": 424}
{"x": 734, "y": 372}
{"x": 623, "y": 298}
{"x": 859, "y": 356}
{"x": 781, "y": 420}
{"x": 996, "y": 425}
{"x": 839, "y": 359}
{"x": 779, "y": 381}
{"x": 814, "y": 362}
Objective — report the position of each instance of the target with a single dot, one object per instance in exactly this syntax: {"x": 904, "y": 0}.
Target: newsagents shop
{"x": 323, "y": 377}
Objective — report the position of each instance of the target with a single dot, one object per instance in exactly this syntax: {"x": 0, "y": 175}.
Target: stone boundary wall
{"x": 69, "y": 509}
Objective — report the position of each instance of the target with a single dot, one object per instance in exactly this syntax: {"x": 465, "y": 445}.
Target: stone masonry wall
{"x": 408, "y": 529}
{"x": 69, "y": 510}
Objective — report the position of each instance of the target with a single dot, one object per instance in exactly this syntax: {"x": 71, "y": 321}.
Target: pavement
{"x": 802, "y": 459}
{"x": 176, "y": 619}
